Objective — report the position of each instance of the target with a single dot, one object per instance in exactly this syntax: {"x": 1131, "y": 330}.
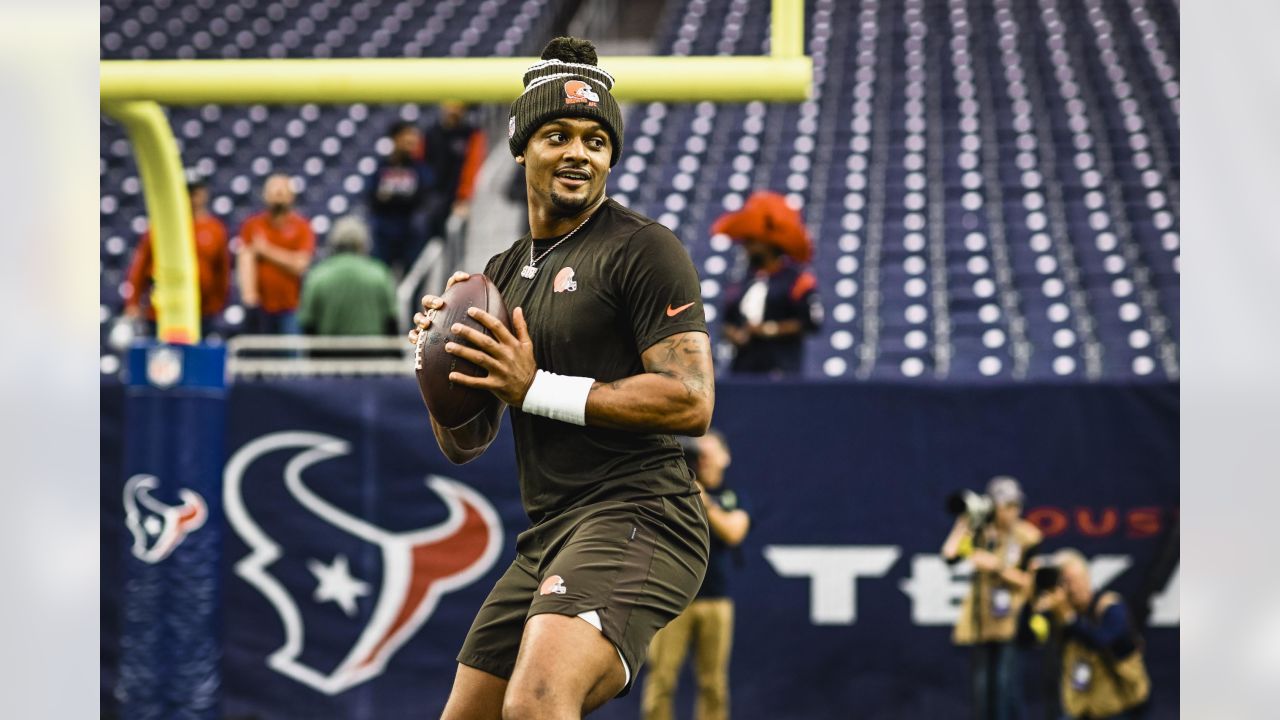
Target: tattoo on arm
{"x": 680, "y": 357}
{"x": 675, "y": 393}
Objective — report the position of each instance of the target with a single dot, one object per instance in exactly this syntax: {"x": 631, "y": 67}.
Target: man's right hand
{"x": 430, "y": 304}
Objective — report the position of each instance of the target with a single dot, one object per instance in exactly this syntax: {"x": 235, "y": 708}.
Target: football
{"x": 451, "y": 404}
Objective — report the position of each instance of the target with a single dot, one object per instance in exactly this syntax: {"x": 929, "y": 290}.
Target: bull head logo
{"x": 419, "y": 567}
{"x": 157, "y": 527}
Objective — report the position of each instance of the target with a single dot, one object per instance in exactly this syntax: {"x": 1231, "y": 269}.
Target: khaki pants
{"x": 709, "y": 625}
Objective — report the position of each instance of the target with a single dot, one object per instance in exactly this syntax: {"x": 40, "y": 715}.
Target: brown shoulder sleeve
{"x": 659, "y": 286}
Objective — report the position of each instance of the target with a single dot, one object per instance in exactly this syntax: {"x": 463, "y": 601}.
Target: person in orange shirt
{"x": 212, "y": 257}
{"x": 276, "y": 246}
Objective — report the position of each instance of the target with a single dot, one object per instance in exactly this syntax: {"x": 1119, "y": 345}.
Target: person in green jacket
{"x": 348, "y": 293}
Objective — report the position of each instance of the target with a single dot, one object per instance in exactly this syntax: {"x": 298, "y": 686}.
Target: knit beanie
{"x": 567, "y": 83}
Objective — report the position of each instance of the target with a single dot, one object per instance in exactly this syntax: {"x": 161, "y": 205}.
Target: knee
{"x": 659, "y": 684}
{"x": 662, "y": 675}
{"x": 526, "y": 703}
{"x": 714, "y": 684}
{"x": 518, "y": 707}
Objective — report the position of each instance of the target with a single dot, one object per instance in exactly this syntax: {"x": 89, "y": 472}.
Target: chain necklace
{"x": 531, "y": 270}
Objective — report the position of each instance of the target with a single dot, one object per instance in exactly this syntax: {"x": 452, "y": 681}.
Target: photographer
{"x": 1103, "y": 673}
{"x": 990, "y": 532}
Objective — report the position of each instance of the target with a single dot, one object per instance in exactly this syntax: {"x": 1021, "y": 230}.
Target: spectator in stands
{"x": 397, "y": 196}
{"x": 455, "y": 150}
{"x": 348, "y": 293}
{"x": 767, "y": 314}
{"x": 708, "y": 622}
{"x": 1000, "y": 546}
{"x": 1103, "y": 672}
{"x": 518, "y": 194}
{"x": 275, "y": 250}
{"x": 212, "y": 257}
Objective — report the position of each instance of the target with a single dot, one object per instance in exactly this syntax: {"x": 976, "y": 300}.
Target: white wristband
{"x": 559, "y": 397}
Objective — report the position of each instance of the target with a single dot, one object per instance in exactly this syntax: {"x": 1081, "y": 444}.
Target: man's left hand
{"x": 508, "y": 357}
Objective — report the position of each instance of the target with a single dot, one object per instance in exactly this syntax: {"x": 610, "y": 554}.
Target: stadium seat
{"x": 992, "y": 188}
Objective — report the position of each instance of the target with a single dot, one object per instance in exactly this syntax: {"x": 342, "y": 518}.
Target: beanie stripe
{"x": 580, "y": 68}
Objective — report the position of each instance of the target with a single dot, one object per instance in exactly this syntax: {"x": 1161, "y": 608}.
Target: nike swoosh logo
{"x": 672, "y": 312}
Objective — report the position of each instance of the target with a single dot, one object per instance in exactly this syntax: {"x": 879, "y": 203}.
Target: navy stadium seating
{"x": 993, "y": 187}
{"x": 329, "y": 149}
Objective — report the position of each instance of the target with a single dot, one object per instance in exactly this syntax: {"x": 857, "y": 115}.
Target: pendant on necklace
{"x": 528, "y": 272}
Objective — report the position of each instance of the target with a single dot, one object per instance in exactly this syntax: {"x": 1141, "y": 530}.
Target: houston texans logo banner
{"x": 354, "y": 556}
{"x": 167, "y": 537}
{"x": 417, "y": 567}
{"x": 158, "y": 528}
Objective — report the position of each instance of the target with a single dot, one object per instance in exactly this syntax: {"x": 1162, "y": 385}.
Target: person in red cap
{"x": 767, "y": 314}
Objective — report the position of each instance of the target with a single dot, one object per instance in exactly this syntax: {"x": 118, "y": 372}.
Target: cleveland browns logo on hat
{"x": 578, "y": 91}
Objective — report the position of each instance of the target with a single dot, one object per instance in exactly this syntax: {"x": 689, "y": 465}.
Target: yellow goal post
{"x": 132, "y": 93}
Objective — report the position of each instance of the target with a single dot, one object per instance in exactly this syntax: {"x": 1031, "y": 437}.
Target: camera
{"x": 1047, "y": 578}
{"x": 977, "y": 507}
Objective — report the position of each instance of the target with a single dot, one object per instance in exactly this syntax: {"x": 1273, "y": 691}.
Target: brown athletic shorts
{"x": 639, "y": 564}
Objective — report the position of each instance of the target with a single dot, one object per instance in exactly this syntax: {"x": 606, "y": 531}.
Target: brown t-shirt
{"x": 619, "y": 285}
